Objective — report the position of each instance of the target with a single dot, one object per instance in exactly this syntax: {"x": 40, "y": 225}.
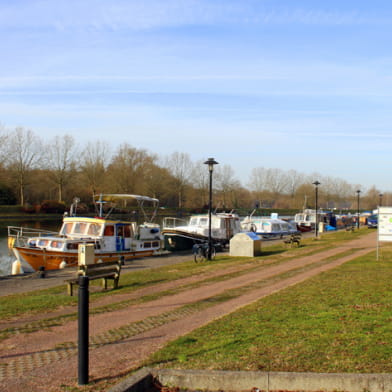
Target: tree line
{"x": 33, "y": 171}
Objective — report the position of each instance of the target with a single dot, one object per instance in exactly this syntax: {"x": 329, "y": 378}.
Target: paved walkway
{"x": 121, "y": 339}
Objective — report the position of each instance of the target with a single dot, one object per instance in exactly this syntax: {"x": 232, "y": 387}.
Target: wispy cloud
{"x": 155, "y": 14}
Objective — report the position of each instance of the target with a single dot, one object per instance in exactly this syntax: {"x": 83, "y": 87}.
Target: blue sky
{"x": 303, "y": 85}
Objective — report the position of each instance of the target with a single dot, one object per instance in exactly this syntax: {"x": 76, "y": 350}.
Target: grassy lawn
{"x": 339, "y": 321}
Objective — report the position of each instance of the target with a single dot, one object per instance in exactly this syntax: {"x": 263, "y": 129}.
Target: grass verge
{"x": 339, "y": 321}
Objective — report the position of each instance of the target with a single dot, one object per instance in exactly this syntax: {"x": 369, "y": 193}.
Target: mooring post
{"x": 83, "y": 330}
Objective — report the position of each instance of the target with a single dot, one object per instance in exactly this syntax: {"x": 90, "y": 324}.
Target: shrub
{"x": 52, "y": 207}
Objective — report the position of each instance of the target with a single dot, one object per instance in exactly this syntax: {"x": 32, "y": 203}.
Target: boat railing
{"x": 170, "y": 223}
{"x": 19, "y": 235}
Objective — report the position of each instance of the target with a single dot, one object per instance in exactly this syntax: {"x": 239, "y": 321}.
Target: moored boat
{"x": 112, "y": 238}
{"x": 180, "y": 234}
{"x": 306, "y": 220}
{"x": 268, "y": 227}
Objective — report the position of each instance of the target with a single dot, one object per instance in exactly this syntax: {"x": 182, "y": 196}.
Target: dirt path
{"x": 122, "y": 339}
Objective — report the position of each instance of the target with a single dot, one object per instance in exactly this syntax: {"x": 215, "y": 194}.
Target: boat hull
{"x": 175, "y": 240}
{"x": 51, "y": 260}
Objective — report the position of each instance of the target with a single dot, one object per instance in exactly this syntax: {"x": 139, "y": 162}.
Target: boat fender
{"x": 17, "y": 268}
{"x": 63, "y": 264}
{"x": 11, "y": 242}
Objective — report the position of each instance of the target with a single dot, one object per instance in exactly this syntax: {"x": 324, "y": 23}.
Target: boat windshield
{"x": 81, "y": 228}
{"x": 198, "y": 221}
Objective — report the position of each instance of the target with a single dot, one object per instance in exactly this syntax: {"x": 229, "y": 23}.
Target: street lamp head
{"x": 316, "y": 183}
{"x": 358, "y": 191}
{"x": 211, "y": 162}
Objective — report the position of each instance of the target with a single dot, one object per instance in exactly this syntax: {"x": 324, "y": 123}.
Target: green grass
{"x": 339, "y": 321}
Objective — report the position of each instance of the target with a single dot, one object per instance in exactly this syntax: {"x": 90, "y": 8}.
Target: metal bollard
{"x": 42, "y": 272}
{"x": 83, "y": 330}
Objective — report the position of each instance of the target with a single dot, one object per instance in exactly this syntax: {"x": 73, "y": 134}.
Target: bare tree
{"x": 129, "y": 169}
{"x": 24, "y": 152}
{"x": 3, "y": 144}
{"x": 93, "y": 165}
{"x": 200, "y": 181}
{"x": 61, "y": 156}
{"x": 268, "y": 184}
{"x": 294, "y": 180}
{"x": 227, "y": 184}
{"x": 180, "y": 166}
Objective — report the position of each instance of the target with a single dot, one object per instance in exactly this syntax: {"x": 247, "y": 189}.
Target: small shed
{"x": 245, "y": 244}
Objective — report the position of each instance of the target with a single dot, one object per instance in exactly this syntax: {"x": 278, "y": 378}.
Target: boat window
{"x": 109, "y": 231}
{"x": 203, "y": 221}
{"x": 217, "y": 223}
{"x": 43, "y": 242}
{"x": 94, "y": 229}
{"x": 56, "y": 244}
{"x": 79, "y": 228}
{"x": 72, "y": 245}
{"x": 127, "y": 231}
{"x": 147, "y": 245}
{"x": 193, "y": 222}
{"x": 67, "y": 228}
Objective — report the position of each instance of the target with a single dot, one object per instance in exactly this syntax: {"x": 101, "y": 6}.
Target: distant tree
{"x": 3, "y": 144}
{"x": 294, "y": 180}
{"x": 227, "y": 184}
{"x": 24, "y": 152}
{"x": 267, "y": 184}
{"x": 198, "y": 193}
{"x": 157, "y": 183}
{"x": 180, "y": 166}
{"x": 93, "y": 163}
{"x": 128, "y": 170}
{"x": 60, "y": 157}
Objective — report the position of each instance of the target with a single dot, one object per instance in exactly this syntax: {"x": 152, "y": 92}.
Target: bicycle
{"x": 201, "y": 252}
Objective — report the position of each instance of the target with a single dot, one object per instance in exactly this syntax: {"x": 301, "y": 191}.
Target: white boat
{"x": 112, "y": 238}
{"x": 306, "y": 220}
{"x": 271, "y": 227}
{"x": 180, "y": 234}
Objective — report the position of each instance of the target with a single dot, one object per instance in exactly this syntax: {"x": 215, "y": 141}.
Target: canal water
{"x": 6, "y": 257}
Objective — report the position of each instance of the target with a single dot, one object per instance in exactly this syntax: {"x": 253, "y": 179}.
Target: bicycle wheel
{"x": 199, "y": 255}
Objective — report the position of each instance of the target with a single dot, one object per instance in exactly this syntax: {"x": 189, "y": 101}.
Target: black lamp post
{"x": 210, "y": 162}
{"x": 316, "y": 184}
{"x": 380, "y": 203}
{"x": 358, "y": 192}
